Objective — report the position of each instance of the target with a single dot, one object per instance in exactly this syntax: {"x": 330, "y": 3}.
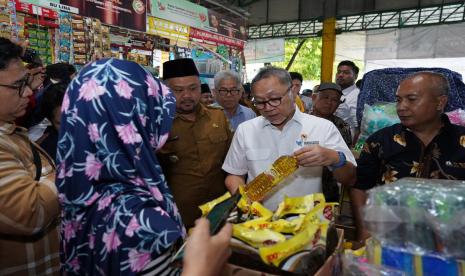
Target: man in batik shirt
{"x": 425, "y": 144}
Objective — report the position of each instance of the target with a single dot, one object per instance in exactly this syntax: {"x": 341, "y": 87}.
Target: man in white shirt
{"x": 284, "y": 130}
{"x": 346, "y": 76}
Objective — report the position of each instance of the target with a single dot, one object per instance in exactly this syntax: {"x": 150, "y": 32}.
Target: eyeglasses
{"x": 274, "y": 102}
{"x": 21, "y": 87}
{"x": 224, "y": 92}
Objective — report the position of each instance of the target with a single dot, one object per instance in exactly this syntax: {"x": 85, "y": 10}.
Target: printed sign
{"x": 168, "y": 29}
{"x": 193, "y": 15}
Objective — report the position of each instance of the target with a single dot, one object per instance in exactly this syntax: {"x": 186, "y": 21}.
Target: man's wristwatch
{"x": 341, "y": 163}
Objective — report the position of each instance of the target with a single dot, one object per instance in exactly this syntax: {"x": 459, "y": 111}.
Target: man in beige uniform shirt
{"x": 199, "y": 140}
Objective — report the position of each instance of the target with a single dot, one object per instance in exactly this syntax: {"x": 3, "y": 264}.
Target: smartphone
{"x": 217, "y": 217}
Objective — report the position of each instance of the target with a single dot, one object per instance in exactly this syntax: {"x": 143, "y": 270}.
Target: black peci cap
{"x": 205, "y": 88}
{"x": 179, "y": 68}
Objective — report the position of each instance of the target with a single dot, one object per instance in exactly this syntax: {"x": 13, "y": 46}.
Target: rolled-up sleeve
{"x": 236, "y": 161}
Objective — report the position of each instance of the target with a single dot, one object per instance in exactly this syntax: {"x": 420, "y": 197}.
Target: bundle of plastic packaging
{"x": 376, "y": 117}
{"x": 422, "y": 216}
{"x": 457, "y": 117}
{"x": 353, "y": 266}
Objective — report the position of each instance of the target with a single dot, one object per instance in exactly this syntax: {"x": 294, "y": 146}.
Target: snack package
{"x": 321, "y": 214}
{"x": 295, "y": 206}
{"x": 260, "y": 223}
{"x": 259, "y": 210}
{"x": 290, "y": 226}
{"x": 207, "y": 207}
{"x": 257, "y": 238}
{"x": 243, "y": 203}
{"x": 277, "y": 253}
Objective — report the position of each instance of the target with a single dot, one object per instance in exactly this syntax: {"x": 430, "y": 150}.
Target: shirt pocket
{"x": 217, "y": 137}
{"x": 258, "y": 154}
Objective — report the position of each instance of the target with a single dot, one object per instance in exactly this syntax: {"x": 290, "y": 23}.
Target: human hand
{"x": 316, "y": 155}
{"x": 206, "y": 255}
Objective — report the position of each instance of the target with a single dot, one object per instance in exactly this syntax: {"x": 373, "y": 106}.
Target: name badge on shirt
{"x": 303, "y": 141}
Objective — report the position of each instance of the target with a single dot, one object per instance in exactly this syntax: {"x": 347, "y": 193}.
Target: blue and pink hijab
{"x": 118, "y": 213}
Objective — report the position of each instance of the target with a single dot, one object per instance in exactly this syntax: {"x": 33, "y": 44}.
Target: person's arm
{"x": 358, "y": 199}
{"x": 206, "y": 255}
{"x": 346, "y": 175}
{"x": 233, "y": 182}
{"x": 28, "y": 206}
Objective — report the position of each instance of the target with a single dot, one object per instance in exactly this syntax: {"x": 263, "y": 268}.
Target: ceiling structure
{"x": 303, "y": 18}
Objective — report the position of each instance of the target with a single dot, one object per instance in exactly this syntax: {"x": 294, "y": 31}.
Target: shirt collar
{"x": 447, "y": 125}
{"x": 200, "y": 111}
{"x": 349, "y": 89}
{"x": 298, "y": 117}
{"x": 239, "y": 110}
{"x": 10, "y": 128}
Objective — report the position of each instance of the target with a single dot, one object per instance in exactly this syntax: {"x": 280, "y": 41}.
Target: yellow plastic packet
{"x": 257, "y": 224}
{"x": 257, "y": 238}
{"x": 243, "y": 205}
{"x": 323, "y": 213}
{"x": 277, "y": 253}
{"x": 287, "y": 226}
{"x": 294, "y": 205}
{"x": 207, "y": 207}
{"x": 318, "y": 198}
{"x": 260, "y": 211}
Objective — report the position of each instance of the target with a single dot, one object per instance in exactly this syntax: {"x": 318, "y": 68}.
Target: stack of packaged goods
{"x": 40, "y": 39}
{"x": 65, "y": 40}
{"x": 417, "y": 226}
{"x": 106, "y": 42}
{"x": 79, "y": 41}
{"x": 298, "y": 237}
{"x": 96, "y": 37}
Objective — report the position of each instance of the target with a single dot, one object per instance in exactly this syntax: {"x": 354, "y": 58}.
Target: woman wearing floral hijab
{"x": 118, "y": 214}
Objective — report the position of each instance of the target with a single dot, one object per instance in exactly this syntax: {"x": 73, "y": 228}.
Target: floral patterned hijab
{"x": 118, "y": 213}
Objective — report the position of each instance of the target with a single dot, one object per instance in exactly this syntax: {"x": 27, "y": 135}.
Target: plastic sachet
{"x": 424, "y": 216}
{"x": 457, "y": 117}
{"x": 376, "y": 117}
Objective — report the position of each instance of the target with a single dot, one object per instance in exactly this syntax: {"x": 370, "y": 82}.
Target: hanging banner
{"x": 35, "y": 10}
{"x": 216, "y": 38}
{"x": 168, "y": 29}
{"x": 193, "y": 15}
{"x": 129, "y": 14}
{"x": 264, "y": 50}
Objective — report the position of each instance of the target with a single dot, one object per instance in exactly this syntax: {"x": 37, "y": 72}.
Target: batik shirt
{"x": 395, "y": 152}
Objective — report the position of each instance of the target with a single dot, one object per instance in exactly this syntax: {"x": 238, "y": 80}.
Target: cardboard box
{"x": 243, "y": 265}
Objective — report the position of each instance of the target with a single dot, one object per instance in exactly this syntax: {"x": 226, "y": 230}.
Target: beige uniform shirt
{"x": 192, "y": 158}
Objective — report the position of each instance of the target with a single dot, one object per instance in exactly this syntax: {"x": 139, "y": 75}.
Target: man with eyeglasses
{"x": 29, "y": 240}
{"x": 228, "y": 93}
{"x": 284, "y": 130}
{"x": 199, "y": 140}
